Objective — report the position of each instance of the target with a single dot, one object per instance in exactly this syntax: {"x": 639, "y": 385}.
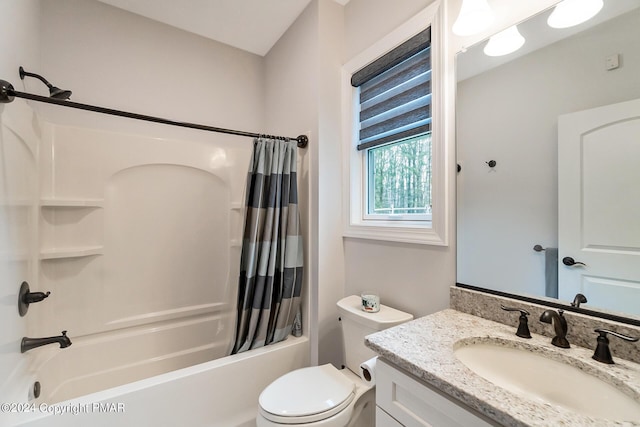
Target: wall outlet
{"x": 613, "y": 62}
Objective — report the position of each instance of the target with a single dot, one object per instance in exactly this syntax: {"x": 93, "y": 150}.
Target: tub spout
{"x": 30, "y": 343}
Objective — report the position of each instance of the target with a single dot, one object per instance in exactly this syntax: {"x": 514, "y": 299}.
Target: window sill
{"x": 403, "y": 233}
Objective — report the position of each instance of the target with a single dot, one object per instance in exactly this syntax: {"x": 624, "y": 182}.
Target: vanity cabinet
{"x": 403, "y": 400}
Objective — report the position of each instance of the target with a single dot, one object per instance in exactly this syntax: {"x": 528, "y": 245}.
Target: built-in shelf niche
{"x": 77, "y": 252}
{"x": 71, "y": 227}
{"x": 71, "y": 203}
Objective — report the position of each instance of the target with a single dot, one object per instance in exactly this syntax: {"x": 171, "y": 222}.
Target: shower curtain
{"x": 271, "y": 263}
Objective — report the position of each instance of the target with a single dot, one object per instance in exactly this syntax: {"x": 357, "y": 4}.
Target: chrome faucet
{"x": 30, "y": 343}
{"x": 556, "y": 318}
{"x": 602, "y": 353}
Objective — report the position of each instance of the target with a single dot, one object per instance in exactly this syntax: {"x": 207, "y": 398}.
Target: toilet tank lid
{"x": 387, "y": 317}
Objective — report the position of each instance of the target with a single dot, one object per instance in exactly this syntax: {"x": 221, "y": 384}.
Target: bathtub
{"x": 222, "y": 392}
{"x": 148, "y": 300}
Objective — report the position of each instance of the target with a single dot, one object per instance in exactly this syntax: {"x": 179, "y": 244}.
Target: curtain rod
{"x": 7, "y": 94}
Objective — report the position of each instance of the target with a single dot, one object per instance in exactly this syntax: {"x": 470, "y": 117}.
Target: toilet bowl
{"x": 324, "y": 396}
{"x": 316, "y": 396}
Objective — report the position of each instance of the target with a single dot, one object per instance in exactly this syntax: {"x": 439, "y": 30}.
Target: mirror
{"x": 507, "y": 111}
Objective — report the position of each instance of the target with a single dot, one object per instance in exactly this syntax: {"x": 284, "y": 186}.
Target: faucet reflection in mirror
{"x": 579, "y": 299}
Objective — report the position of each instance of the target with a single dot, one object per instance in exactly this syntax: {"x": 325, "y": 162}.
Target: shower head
{"x": 54, "y": 92}
{"x": 57, "y": 93}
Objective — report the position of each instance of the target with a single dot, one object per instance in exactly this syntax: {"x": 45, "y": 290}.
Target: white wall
{"x": 19, "y": 38}
{"x": 18, "y": 189}
{"x": 367, "y": 21}
{"x": 504, "y": 212}
{"x": 413, "y": 278}
{"x": 331, "y": 260}
{"x": 290, "y": 76}
{"x": 113, "y": 58}
{"x": 303, "y": 87}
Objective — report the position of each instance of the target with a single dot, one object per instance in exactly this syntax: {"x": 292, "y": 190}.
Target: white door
{"x": 599, "y": 206}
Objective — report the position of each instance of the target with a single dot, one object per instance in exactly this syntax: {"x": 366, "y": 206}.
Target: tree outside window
{"x": 399, "y": 179}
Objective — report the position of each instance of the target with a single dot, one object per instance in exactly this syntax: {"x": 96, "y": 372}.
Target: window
{"x": 399, "y": 180}
{"x": 395, "y": 173}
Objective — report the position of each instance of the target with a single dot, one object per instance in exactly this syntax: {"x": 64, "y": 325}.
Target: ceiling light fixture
{"x": 505, "y": 42}
{"x": 568, "y": 13}
{"x": 475, "y": 16}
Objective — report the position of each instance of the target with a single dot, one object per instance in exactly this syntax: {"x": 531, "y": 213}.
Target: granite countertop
{"x": 425, "y": 348}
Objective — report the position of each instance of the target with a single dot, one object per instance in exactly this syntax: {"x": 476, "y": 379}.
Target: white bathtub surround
{"x": 139, "y": 245}
{"x": 220, "y": 393}
{"x": 425, "y": 348}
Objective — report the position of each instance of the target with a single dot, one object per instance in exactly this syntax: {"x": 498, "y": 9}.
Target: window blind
{"x": 395, "y": 93}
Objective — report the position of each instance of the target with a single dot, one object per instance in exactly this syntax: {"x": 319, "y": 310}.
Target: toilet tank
{"x": 357, "y": 324}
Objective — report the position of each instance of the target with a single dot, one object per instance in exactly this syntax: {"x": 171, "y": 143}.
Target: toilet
{"x": 324, "y": 395}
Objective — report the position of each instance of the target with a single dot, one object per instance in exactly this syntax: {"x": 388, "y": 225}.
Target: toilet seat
{"x": 307, "y": 395}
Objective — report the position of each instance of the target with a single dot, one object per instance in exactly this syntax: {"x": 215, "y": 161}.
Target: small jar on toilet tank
{"x": 370, "y": 302}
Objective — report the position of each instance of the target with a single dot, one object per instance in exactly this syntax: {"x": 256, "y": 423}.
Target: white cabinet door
{"x": 415, "y": 404}
{"x": 599, "y": 205}
{"x": 385, "y": 420}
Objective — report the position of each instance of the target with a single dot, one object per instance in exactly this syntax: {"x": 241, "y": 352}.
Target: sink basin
{"x": 539, "y": 378}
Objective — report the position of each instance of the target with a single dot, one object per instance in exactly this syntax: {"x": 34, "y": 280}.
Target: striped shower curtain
{"x": 272, "y": 253}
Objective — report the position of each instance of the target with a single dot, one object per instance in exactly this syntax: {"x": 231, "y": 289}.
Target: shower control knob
{"x": 570, "y": 262}
{"x": 32, "y": 297}
{"x": 26, "y": 297}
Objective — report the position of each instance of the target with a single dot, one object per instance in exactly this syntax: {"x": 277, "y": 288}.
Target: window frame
{"x": 356, "y": 223}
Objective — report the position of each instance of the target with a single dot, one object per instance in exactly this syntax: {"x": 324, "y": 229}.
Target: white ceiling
{"x": 251, "y": 25}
